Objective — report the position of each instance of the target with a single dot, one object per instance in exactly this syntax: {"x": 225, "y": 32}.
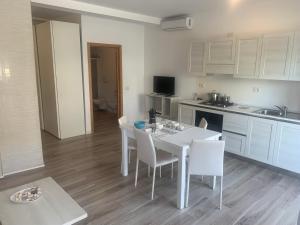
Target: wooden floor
{"x": 88, "y": 168}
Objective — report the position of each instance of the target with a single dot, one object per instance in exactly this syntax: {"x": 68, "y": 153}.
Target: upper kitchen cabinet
{"x": 295, "y": 66}
{"x": 220, "y": 56}
{"x": 221, "y": 51}
{"x": 197, "y": 58}
{"x": 247, "y": 57}
{"x": 276, "y": 56}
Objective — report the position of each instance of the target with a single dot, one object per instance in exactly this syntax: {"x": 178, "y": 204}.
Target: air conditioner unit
{"x": 177, "y": 23}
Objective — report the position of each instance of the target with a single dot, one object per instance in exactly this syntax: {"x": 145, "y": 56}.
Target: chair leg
{"x": 129, "y": 156}
{"x": 187, "y": 190}
{"x": 221, "y": 193}
{"x": 149, "y": 171}
{"x": 153, "y": 183}
{"x": 136, "y": 171}
{"x": 172, "y": 172}
{"x": 160, "y": 171}
{"x": 201, "y": 178}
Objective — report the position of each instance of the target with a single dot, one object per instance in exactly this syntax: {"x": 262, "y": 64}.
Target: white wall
{"x": 131, "y": 37}
{"x": 170, "y": 55}
{"x": 20, "y": 137}
{"x": 166, "y": 53}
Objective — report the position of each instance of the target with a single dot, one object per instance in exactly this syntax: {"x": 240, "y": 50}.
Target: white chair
{"x": 131, "y": 144}
{"x": 203, "y": 123}
{"x": 146, "y": 153}
{"x": 206, "y": 158}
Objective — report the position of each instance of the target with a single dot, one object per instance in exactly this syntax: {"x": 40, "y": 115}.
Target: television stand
{"x": 167, "y": 106}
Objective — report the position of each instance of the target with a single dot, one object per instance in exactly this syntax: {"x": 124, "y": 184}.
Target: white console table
{"x": 166, "y": 105}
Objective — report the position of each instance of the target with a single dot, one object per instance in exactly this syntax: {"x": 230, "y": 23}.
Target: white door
{"x": 234, "y": 143}
{"x": 261, "y": 137}
{"x": 287, "y": 147}
{"x": 197, "y": 58}
{"x": 221, "y": 51}
{"x": 186, "y": 115}
{"x": 295, "y": 68}
{"x": 247, "y": 57}
{"x": 276, "y": 56}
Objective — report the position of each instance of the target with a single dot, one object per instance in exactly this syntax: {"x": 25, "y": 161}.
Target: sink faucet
{"x": 283, "y": 110}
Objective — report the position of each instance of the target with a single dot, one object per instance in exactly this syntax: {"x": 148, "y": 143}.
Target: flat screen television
{"x": 164, "y": 85}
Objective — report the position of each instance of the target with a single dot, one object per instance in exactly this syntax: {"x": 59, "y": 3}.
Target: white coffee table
{"x": 54, "y": 207}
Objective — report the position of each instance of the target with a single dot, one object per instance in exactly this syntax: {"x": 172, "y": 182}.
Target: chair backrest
{"x": 206, "y": 158}
{"x": 203, "y": 123}
{"x": 145, "y": 147}
{"x": 122, "y": 120}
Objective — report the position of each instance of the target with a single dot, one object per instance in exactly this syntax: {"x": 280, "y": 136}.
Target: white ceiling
{"x": 165, "y": 8}
{"x": 199, "y": 9}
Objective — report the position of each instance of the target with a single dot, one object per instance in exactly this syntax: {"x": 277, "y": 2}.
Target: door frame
{"x": 119, "y": 85}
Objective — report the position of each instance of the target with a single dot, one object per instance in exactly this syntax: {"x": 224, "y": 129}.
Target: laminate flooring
{"x": 88, "y": 168}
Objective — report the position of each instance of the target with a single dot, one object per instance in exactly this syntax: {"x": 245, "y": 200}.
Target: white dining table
{"x": 172, "y": 141}
{"x": 54, "y": 207}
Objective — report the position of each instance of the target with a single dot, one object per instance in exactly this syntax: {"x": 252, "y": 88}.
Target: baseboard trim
{"x": 20, "y": 171}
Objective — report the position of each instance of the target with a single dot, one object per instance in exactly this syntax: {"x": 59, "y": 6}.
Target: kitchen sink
{"x": 269, "y": 112}
{"x": 278, "y": 113}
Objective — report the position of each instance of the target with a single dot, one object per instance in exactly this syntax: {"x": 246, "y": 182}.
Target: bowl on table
{"x": 139, "y": 124}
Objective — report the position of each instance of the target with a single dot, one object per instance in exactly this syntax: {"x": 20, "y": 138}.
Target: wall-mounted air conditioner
{"x": 177, "y": 23}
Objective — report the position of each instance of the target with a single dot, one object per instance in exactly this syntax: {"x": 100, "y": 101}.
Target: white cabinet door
{"x": 221, "y": 51}
{"x": 68, "y": 73}
{"x": 276, "y": 56}
{"x": 248, "y": 50}
{"x": 287, "y": 147}
{"x": 295, "y": 67}
{"x": 234, "y": 143}
{"x": 186, "y": 115}
{"x": 197, "y": 58}
{"x": 260, "y": 139}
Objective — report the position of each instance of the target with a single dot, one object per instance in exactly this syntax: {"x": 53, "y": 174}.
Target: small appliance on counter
{"x": 152, "y": 116}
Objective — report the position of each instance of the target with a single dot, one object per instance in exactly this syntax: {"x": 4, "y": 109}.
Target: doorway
{"x": 105, "y": 77}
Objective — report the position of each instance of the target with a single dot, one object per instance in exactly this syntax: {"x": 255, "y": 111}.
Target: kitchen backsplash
{"x": 264, "y": 93}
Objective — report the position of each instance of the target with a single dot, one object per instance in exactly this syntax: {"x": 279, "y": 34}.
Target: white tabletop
{"x": 184, "y": 138}
{"x": 54, "y": 207}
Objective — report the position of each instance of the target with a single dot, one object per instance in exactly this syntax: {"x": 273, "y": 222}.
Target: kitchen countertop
{"x": 244, "y": 109}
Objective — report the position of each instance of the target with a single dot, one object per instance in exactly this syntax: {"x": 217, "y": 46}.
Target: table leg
{"x": 124, "y": 165}
{"x": 212, "y": 183}
{"x": 181, "y": 179}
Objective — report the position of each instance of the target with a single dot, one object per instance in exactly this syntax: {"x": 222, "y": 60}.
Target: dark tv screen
{"x": 164, "y": 85}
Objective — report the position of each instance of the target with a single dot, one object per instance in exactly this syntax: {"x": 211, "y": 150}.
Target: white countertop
{"x": 242, "y": 109}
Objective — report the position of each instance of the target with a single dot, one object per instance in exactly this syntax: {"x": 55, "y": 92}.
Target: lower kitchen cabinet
{"x": 287, "y": 147}
{"x": 234, "y": 143}
{"x": 261, "y": 139}
{"x": 186, "y": 115}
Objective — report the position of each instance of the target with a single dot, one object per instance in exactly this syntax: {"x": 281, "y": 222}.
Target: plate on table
{"x": 26, "y": 195}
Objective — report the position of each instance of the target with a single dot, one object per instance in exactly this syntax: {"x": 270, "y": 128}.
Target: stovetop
{"x": 218, "y": 104}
